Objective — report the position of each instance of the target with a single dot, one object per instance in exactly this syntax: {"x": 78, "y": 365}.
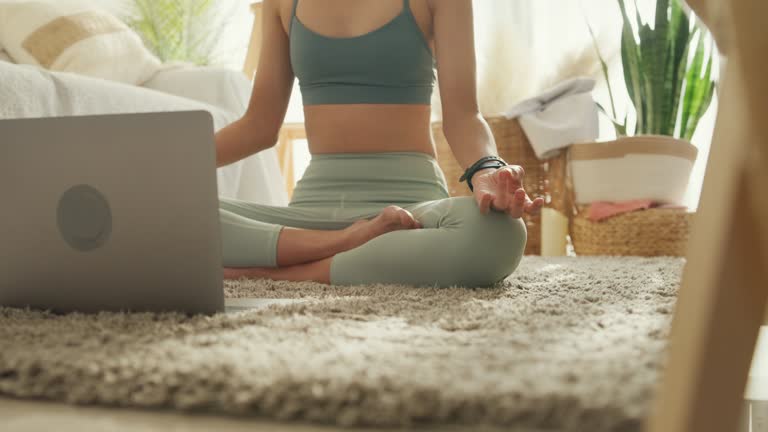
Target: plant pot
{"x": 641, "y": 167}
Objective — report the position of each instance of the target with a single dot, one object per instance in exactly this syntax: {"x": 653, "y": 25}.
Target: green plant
{"x": 179, "y": 30}
{"x": 669, "y": 91}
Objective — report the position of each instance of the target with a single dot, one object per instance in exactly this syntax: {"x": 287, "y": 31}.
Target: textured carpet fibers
{"x": 564, "y": 344}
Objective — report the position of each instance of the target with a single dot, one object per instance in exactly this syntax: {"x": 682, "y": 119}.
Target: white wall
{"x": 235, "y": 40}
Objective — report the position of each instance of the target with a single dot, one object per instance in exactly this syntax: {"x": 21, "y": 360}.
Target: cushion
{"x": 74, "y": 36}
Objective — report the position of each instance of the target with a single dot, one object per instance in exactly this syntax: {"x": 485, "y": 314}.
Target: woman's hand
{"x": 502, "y": 190}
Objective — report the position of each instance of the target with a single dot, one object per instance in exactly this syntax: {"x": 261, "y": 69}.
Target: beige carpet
{"x": 564, "y": 344}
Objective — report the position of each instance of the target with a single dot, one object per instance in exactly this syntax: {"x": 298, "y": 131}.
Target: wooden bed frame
{"x": 724, "y": 292}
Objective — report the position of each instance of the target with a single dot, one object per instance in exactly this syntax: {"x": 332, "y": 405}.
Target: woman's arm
{"x": 259, "y": 127}
{"x": 465, "y": 129}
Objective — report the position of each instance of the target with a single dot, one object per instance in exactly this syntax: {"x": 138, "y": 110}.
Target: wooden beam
{"x": 716, "y": 14}
{"x": 724, "y": 291}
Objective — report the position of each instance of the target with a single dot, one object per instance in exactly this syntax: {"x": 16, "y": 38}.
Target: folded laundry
{"x": 602, "y": 210}
{"x": 559, "y": 117}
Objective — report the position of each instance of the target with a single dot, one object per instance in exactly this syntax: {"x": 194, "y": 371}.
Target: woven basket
{"x": 544, "y": 178}
{"x": 652, "y": 232}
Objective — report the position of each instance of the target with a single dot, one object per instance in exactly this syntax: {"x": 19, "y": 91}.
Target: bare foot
{"x": 231, "y": 273}
{"x": 392, "y": 218}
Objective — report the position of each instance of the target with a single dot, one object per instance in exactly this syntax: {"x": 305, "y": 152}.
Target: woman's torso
{"x": 369, "y": 127}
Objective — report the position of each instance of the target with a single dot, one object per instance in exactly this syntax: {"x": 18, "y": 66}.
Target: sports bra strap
{"x": 293, "y": 16}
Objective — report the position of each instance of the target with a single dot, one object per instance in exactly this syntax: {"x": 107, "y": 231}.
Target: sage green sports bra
{"x": 390, "y": 65}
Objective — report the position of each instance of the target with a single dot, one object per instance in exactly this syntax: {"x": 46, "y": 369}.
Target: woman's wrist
{"x": 482, "y": 171}
{"x": 483, "y": 164}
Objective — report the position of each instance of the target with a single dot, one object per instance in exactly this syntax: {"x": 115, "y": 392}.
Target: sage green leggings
{"x": 458, "y": 245}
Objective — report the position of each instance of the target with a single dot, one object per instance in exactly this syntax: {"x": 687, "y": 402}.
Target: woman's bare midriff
{"x": 368, "y": 128}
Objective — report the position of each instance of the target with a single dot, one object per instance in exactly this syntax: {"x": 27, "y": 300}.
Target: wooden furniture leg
{"x": 289, "y": 133}
{"x": 285, "y": 159}
{"x": 724, "y": 291}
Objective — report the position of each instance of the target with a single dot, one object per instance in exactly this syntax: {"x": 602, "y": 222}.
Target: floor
{"x": 34, "y": 416}
{"x": 30, "y": 416}
{"x": 755, "y": 417}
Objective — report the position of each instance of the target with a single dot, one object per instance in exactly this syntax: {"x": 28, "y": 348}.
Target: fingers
{"x": 510, "y": 181}
{"x": 521, "y": 204}
{"x": 512, "y": 173}
{"x": 534, "y": 207}
{"x": 520, "y": 197}
{"x": 485, "y": 203}
{"x": 516, "y": 172}
{"x": 510, "y": 196}
{"x": 519, "y": 173}
{"x": 516, "y": 204}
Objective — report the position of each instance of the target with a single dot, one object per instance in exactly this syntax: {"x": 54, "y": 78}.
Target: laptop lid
{"x": 113, "y": 212}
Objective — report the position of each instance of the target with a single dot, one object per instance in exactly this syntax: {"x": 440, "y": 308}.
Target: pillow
{"x": 72, "y": 36}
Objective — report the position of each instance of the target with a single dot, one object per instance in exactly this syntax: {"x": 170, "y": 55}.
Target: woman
{"x": 373, "y": 206}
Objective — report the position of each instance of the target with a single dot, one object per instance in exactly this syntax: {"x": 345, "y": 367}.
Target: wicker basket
{"x": 544, "y": 178}
{"x": 652, "y": 232}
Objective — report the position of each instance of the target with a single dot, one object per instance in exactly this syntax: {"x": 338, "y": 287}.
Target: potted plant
{"x": 668, "y": 75}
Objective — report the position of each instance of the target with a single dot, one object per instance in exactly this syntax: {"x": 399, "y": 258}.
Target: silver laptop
{"x": 110, "y": 213}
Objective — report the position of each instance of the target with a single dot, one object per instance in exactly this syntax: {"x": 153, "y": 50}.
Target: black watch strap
{"x": 484, "y": 163}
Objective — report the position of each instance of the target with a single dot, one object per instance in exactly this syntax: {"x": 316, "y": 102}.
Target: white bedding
{"x": 27, "y": 91}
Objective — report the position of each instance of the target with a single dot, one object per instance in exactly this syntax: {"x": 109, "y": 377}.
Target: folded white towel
{"x": 559, "y": 117}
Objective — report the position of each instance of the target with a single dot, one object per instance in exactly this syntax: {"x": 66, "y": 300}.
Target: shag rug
{"x": 572, "y": 344}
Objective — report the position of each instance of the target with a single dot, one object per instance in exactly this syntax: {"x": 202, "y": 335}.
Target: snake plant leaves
{"x": 663, "y": 83}
{"x": 630, "y": 58}
{"x": 621, "y": 127}
{"x": 679, "y": 38}
{"x": 698, "y": 93}
{"x": 691, "y": 89}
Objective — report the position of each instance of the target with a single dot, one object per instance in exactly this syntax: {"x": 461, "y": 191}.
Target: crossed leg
{"x": 306, "y": 254}
{"x": 459, "y": 246}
